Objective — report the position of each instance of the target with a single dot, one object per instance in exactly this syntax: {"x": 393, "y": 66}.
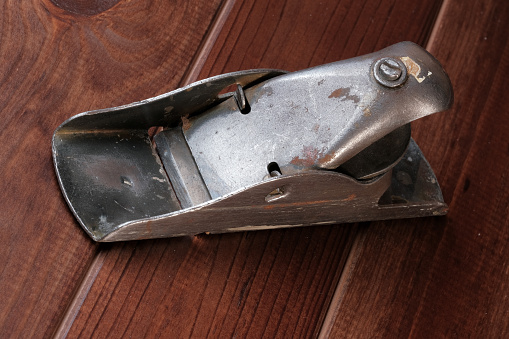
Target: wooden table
{"x": 431, "y": 277}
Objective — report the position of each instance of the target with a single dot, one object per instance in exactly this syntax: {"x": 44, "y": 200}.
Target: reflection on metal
{"x": 324, "y": 145}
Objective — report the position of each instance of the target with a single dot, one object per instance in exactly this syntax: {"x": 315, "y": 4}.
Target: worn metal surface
{"x": 107, "y": 167}
{"x": 309, "y": 198}
{"x": 316, "y": 118}
{"x": 281, "y": 150}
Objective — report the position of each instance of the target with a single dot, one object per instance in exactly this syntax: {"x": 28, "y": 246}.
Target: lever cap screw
{"x": 390, "y": 72}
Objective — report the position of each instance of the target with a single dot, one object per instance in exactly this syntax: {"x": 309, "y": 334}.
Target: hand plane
{"x": 325, "y": 145}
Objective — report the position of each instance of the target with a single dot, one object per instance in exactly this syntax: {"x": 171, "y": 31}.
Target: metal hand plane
{"x": 325, "y": 145}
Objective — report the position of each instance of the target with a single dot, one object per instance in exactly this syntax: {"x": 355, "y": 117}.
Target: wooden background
{"x": 432, "y": 277}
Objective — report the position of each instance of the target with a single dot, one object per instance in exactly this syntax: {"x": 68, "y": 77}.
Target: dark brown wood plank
{"x": 293, "y": 35}
{"x": 448, "y": 276}
{"x": 205, "y": 285}
{"x": 259, "y": 284}
{"x": 57, "y": 63}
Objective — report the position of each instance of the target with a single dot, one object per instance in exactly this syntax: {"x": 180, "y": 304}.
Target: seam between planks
{"x": 209, "y": 41}
{"x": 80, "y": 295}
{"x": 436, "y": 26}
{"x": 343, "y": 282}
{"x": 191, "y": 75}
{"x": 356, "y": 249}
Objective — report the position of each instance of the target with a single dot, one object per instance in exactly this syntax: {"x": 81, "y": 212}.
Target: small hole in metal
{"x": 273, "y": 169}
{"x": 246, "y": 109}
{"x": 126, "y": 181}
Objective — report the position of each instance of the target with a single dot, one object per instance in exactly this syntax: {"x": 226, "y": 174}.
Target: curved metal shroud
{"x": 316, "y": 118}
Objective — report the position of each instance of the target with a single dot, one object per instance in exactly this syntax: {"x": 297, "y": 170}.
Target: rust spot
{"x": 337, "y": 93}
{"x": 350, "y": 197}
{"x": 367, "y": 112}
{"x": 148, "y": 231}
{"x": 327, "y": 158}
{"x": 309, "y": 157}
{"x": 305, "y": 203}
{"x": 296, "y": 204}
{"x": 186, "y": 124}
{"x": 316, "y": 127}
{"x": 297, "y": 161}
{"x": 344, "y": 93}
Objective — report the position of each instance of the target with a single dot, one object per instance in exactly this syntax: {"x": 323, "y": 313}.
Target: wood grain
{"x": 293, "y": 35}
{"x": 447, "y": 277}
{"x": 55, "y": 64}
{"x": 259, "y": 284}
{"x": 210, "y": 285}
